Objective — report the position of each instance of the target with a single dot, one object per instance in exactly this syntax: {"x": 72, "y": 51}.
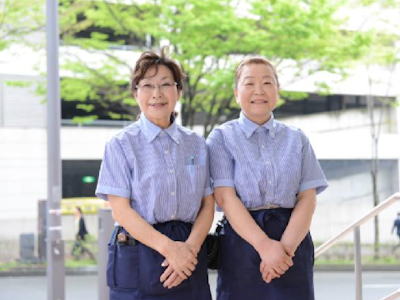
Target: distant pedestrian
{"x": 79, "y": 247}
{"x": 396, "y": 224}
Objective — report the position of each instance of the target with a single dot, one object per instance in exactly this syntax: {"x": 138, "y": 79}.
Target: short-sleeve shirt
{"x": 164, "y": 173}
{"x": 268, "y": 164}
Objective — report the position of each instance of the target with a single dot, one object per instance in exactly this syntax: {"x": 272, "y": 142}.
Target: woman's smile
{"x": 158, "y": 104}
{"x": 259, "y": 101}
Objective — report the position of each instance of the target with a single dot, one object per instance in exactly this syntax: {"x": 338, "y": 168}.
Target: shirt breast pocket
{"x": 195, "y": 176}
{"x": 291, "y": 171}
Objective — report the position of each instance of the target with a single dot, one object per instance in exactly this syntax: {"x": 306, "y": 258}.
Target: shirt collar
{"x": 249, "y": 127}
{"x": 151, "y": 130}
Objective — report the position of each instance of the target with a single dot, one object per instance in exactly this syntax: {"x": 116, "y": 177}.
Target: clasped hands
{"x": 180, "y": 261}
{"x": 276, "y": 259}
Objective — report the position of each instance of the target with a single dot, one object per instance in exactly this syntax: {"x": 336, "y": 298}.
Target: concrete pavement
{"x": 328, "y": 286}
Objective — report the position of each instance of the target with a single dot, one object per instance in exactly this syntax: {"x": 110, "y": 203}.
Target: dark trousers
{"x": 398, "y": 244}
{"x": 134, "y": 271}
{"x": 240, "y": 278}
{"x": 79, "y": 249}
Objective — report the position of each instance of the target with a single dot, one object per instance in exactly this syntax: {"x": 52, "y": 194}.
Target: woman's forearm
{"x": 274, "y": 259}
{"x": 203, "y": 222}
{"x": 239, "y": 217}
{"x": 300, "y": 221}
{"x": 137, "y": 227}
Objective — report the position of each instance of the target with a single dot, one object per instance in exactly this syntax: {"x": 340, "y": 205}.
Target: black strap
{"x": 114, "y": 242}
{"x": 220, "y": 224}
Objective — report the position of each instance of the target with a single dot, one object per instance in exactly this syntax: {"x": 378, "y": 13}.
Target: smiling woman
{"x": 157, "y": 95}
{"x": 155, "y": 175}
{"x": 266, "y": 178}
{"x": 157, "y": 87}
{"x": 256, "y": 89}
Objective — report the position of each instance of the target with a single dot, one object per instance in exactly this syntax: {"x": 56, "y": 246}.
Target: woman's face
{"x": 257, "y": 92}
{"x": 157, "y": 95}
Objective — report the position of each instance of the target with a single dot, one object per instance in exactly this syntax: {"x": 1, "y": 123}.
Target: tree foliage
{"x": 208, "y": 38}
{"x": 19, "y": 19}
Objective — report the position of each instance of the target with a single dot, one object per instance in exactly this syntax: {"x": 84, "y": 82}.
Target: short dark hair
{"x": 79, "y": 209}
{"x": 150, "y": 59}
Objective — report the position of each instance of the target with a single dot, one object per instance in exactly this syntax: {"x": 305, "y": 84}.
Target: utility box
{"x": 27, "y": 246}
{"x": 42, "y": 229}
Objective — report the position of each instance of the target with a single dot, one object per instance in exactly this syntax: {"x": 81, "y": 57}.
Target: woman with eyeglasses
{"x": 265, "y": 177}
{"x": 155, "y": 174}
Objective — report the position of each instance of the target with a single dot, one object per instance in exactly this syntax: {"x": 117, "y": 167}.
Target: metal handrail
{"x": 382, "y": 206}
{"x": 392, "y": 296}
{"x": 355, "y": 227}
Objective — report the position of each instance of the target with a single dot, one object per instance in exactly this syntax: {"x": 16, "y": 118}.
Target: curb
{"x": 350, "y": 268}
{"x": 92, "y": 270}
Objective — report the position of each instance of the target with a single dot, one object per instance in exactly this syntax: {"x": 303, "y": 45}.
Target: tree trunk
{"x": 374, "y": 176}
{"x": 374, "y": 171}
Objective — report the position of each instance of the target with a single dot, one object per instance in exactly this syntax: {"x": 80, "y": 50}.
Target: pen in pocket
{"x": 191, "y": 164}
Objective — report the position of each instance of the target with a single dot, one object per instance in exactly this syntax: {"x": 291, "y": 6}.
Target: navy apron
{"x": 133, "y": 271}
{"x": 239, "y": 276}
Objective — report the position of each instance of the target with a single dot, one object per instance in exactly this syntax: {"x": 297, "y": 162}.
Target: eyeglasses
{"x": 149, "y": 88}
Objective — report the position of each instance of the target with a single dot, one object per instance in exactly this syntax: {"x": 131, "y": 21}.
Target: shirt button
{"x": 262, "y": 146}
{"x": 269, "y": 181}
{"x": 172, "y": 193}
{"x": 173, "y": 217}
{"x": 166, "y": 151}
{"x": 268, "y": 163}
{"x": 172, "y": 171}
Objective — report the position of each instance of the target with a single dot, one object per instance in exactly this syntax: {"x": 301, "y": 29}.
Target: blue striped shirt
{"x": 268, "y": 164}
{"x": 164, "y": 173}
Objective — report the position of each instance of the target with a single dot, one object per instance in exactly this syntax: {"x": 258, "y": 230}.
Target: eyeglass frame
{"x": 153, "y": 87}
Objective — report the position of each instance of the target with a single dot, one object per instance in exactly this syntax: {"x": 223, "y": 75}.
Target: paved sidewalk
{"x": 328, "y": 286}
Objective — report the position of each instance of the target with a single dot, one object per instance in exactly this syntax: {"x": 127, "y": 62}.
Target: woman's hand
{"x": 290, "y": 248}
{"x": 275, "y": 261}
{"x": 181, "y": 258}
{"x": 170, "y": 277}
{"x": 199, "y": 231}
{"x": 268, "y": 274}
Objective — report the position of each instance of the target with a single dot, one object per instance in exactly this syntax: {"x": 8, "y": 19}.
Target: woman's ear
{"x": 235, "y": 92}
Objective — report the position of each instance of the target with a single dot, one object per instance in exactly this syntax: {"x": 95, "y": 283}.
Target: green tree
{"x": 19, "y": 19}
{"x": 95, "y": 28}
{"x": 208, "y": 37}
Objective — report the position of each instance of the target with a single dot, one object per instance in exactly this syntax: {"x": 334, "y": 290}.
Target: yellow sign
{"x": 88, "y": 205}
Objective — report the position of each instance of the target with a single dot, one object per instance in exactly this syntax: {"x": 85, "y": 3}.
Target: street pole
{"x": 55, "y": 244}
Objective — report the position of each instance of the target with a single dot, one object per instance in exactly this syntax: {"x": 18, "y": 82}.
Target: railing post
{"x": 357, "y": 262}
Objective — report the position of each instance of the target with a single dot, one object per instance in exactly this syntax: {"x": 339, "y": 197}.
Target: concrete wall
{"x": 349, "y": 197}
{"x": 342, "y": 142}
{"x": 19, "y": 106}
